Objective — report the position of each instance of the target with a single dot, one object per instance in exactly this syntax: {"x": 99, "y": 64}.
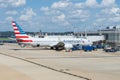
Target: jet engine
{"x": 36, "y": 45}
{"x": 59, "y": 46}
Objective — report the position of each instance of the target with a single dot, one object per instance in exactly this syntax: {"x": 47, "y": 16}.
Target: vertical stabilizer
{"x": 20, "y": 35}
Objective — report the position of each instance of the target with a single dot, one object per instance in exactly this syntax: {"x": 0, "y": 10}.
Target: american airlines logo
{"x": 72, "y": 41}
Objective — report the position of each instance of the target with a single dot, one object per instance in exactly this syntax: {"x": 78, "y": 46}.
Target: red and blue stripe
{"x": 20, "y": 35}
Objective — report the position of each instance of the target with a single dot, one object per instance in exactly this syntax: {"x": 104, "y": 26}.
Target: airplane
{"x": 54, "y": 43}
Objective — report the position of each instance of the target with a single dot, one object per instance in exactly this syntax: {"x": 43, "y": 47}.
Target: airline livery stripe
{"x": 22, "y": 37}
{"x": 13, "y": 24}
{"x": 21, "y": 34}
{"x": 17, "y": 32}
{"x": 15, "y": 28}
{"x": 24, "y": 41}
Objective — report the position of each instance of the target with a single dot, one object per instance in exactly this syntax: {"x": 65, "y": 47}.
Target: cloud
{"x": 2, "y": 5}
{"x": 11, "y": 3}
{"x": 79, "y": 13}
{"x": 95, "y": 4}
{"x": 108, "y": 16}
{"x": 57, "y": 12}
{"x": 110, "y": 12}
{"x": 11, "y": 12}
{"x": 115, "y": 11}
{"x": 91, "y": 3}
{"x": 44, "y": 8}
{"x": 79, "y": 5}
{"x": 61, "y": 4}
{"x": 9, "y": 18}
{"x": 27, "y": 14}
{"x": 61, "y": 17}
{"x": 87, "y": 4}
{"x": 115, "y": 19}
{"x": 87, "y": 12}
{"x": 18, "y": 2}
{"x": 108, "y": 3}
{"x": 65, "y": 11}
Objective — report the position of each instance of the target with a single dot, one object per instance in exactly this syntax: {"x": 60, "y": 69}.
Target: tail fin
{"x": 20, "y": 35}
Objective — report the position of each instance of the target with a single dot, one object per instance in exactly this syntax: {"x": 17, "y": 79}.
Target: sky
{"x": 59, "y": 15}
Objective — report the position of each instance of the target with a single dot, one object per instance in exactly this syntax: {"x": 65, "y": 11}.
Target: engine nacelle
{"x": 37, "y": 45}
{"x": 59, "y": 46}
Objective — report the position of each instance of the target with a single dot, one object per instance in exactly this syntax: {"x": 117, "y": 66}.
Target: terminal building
{"x": 92, "y": 36}
{"x": 111, "y": 35}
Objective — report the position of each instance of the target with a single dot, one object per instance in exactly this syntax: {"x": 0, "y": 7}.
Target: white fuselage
{"x": 54, "y": 41}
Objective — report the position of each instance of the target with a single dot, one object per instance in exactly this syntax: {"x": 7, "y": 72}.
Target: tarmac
{"x": 29, "y": 63}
